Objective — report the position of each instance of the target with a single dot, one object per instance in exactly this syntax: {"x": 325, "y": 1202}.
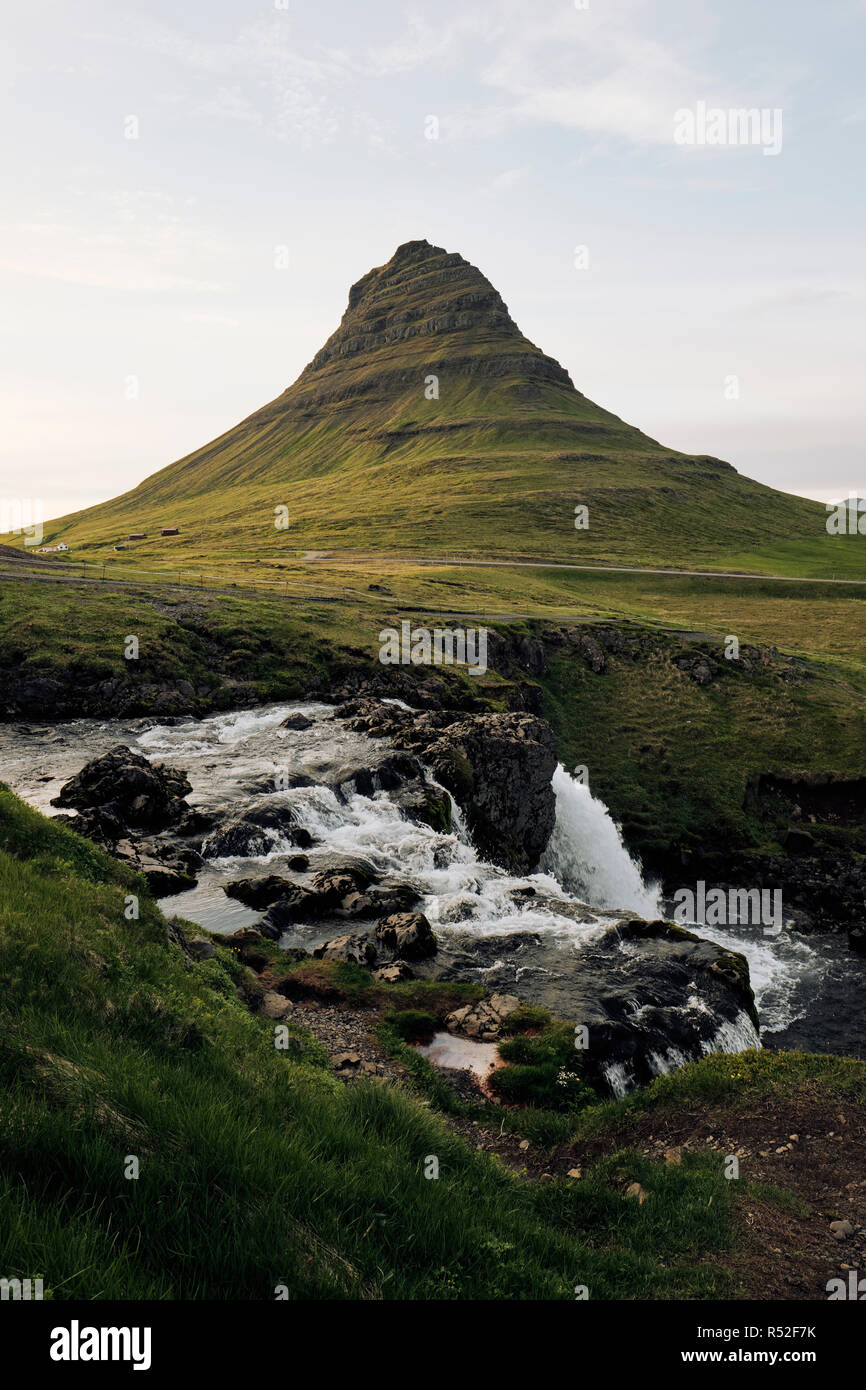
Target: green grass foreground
{"x": 258, "y": 1168}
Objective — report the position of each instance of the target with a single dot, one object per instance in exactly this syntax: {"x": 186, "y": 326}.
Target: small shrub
{"x": 412, "y": 1025}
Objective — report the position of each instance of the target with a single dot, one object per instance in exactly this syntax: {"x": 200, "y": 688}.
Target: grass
{"x": 256, "y": 1167}
{"x": 670, "y": 758}
{"x": 258, "y": 1171}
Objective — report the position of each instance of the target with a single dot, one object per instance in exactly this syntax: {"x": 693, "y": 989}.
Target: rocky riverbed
{"x": 410, "y": 842}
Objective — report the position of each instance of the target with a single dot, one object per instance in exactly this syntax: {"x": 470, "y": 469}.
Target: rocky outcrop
{"x": 348, "y": 893}
{"x": 402, "y": 937}
{"x": 498, "y": 768}
{"x": 122, "y": 791}
{"x": 124, "y": 803}
{"x": 483, "y": 1020}
{"x": 643, "y": 996}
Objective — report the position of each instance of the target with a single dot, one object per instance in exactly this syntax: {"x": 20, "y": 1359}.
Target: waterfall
{"x": 232, "y": 759}
{"x": 587, "y": 856}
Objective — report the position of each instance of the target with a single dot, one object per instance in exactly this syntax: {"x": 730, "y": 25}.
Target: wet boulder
{"x": 296, "y": 906}
{"x": 499, "y": 767}
{"x": 377, "y": 901}
{"x": 378, "y": 773}
{"x": 297, "y": 721}
{"x": 350, "y": 949}
{"x": 122, "y": 791}
{"x": 257, "y": 831}
{"x": 259, "y": 892}
{"x": 408, "y": 935}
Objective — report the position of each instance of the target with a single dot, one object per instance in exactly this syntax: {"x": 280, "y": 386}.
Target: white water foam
{"x": 587, "y": 856}
{"x": 227, "y": 754}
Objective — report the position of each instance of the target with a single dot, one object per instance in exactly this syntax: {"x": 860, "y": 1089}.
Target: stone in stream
{"x": 259, "y": 892}
{"x": 121, "y": 790}
{"x": 297, "y": 721}
{"x": 256, "y": 831}
{"x": 165, "y": 880}
{"x": 297, "y": 905}
{"x": 408, "y": 935}
{"x": 498, "y": 768}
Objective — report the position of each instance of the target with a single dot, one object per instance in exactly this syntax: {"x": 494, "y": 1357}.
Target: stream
{"x": 808, "y": 988}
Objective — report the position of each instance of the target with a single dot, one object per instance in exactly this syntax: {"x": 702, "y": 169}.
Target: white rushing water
{"x": 587, "y": 856}
{"x": 232, "y": 759}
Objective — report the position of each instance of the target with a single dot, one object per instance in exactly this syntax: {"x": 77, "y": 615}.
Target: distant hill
{"x": 429, "y": 424}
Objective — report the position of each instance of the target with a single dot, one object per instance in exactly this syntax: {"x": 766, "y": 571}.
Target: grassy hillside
{"x": 671, "y": 758}
{"x": 367, "y": 459}
{"x": 259, "y": 1169}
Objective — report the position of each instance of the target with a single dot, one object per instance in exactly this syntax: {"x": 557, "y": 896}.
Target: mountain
{"x": 427, "y": 424}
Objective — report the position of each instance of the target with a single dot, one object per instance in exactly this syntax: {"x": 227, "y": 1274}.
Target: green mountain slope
{"x": 367, "y": 457}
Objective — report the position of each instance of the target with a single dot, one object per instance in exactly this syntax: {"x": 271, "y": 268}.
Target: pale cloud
{"x": 133, "y": 247}
{"x": 508, "y": 179}
{"x": 799, "y": 297}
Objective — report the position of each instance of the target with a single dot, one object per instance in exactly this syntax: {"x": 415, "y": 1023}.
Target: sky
{"x": 188, "y": 191}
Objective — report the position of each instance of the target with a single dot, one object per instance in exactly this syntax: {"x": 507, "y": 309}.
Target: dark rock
{"x": 298, "y": 905}
{"x": 164, "y": 880}
{"x": 201, "y": 948}
{"x": 256, "y": 832}
{"x": 122, "y": 790}
{"x": 259, "y": 892}
{"x": 297, "y": 721}
{"x": 378, "y": 901}
{"x": 408, "y": 935}
{"x": 389, "y": 772}
{"x": 352, "y": 950}
{"x": 498, "y": 767}
{"x": 335, "y": 884}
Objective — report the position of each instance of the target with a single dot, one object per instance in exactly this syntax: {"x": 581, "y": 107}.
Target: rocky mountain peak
{"x": 426, "y": 303}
